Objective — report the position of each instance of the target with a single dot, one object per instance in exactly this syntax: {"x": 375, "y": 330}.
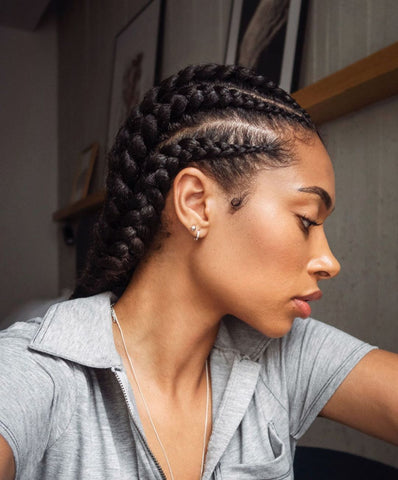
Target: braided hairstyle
{"x": 225, "y": 120}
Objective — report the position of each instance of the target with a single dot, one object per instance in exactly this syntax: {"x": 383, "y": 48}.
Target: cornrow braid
{"x": 226, "y": 120}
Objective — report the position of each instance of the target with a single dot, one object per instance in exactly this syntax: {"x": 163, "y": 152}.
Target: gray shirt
{"x": 68, "y": 412}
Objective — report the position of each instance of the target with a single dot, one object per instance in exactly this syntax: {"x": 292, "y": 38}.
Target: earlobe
{"x": 191, "y": 190}
{"x": 197, "y": 232}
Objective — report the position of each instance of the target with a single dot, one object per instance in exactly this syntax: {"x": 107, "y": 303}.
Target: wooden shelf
{"x": 91, "y": 202}
{"x": 364, "y": 82}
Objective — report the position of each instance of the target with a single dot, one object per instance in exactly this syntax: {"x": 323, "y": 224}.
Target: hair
{"x": 225, "y": 120}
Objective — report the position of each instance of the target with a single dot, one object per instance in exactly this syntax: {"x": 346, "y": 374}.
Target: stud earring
{"x": 193, "y": 228}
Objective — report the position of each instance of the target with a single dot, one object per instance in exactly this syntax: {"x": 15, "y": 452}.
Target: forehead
{"x": 312, "y": 167}
{"x": 313, "y": 160}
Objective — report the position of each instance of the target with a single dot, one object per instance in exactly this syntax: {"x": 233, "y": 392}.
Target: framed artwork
{"x": 84, "y": 173}
{"x": 136, "y": 65}
{"x": 267, "y": 35}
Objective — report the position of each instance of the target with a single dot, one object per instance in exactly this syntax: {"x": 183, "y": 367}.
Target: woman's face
{"x": 255, "y": 262}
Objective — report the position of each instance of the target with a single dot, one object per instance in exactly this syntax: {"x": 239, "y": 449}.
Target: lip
{"x": 317, "y": 295}
{"x": 302, "y": 305}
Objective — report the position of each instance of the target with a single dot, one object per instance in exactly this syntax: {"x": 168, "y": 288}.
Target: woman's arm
{"x": 7, "y": 464}
{"x": 368, "y": 398}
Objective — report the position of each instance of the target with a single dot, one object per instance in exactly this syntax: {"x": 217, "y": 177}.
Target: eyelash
{"x": 311, "y": 223}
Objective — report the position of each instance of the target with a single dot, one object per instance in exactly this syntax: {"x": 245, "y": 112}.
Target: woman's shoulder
{"x": 15, "y": 341}
{"x": 37, "y": 394}
{"x": 20, "y": 333}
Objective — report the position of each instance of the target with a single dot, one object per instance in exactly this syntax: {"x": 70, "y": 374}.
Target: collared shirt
{"x": 68, "y": 412}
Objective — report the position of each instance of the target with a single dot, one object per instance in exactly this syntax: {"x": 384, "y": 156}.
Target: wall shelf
{"x": 364, "y": 82}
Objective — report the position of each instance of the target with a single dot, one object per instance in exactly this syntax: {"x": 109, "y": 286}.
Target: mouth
{"x": 302, "y": 305}
{"x": 317, "y": 295}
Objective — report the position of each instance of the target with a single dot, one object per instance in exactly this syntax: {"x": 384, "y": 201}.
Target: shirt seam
{"x": 43, "y": 327}
{"x": 44, "y": 368}
{"x": 326, "y": 385}
{"x": 272, "y": 393}
{"x": 74, "y": 408}
{"x": 240, "y": 354}
{"x": 259, "y": 350}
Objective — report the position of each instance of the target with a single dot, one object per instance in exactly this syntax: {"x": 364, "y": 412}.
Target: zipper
{"x": 116, "y": 371}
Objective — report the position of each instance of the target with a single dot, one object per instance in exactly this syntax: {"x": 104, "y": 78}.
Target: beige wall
{"x": 362, "y": 231}
{"x": 29, "y": 164}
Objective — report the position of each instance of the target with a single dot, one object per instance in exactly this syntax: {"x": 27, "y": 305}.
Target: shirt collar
{"x": 80, "y": 330}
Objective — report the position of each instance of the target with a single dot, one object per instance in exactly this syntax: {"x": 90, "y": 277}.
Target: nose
{"x": 323, "y": 263}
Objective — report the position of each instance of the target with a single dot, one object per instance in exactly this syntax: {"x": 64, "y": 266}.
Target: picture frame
{"x": 82, "y": 179}
{"x": 267, "y": 36}
{"x": 136, "y": 64}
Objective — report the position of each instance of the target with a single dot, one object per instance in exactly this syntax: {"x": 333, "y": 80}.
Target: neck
{"x": 168, "y": 326}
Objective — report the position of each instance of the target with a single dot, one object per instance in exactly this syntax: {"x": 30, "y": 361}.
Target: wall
{"x": 195, "y": 32}
{"x": 363, "y": 231}
{"x": 340, "y": 32}
{"x": 29, "y": 165}
{"x": 86, "y": 40}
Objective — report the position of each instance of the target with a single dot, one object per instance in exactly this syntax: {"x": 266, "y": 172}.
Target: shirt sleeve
{"x": 27, "y": 400}
{"x": 317, "y": 358}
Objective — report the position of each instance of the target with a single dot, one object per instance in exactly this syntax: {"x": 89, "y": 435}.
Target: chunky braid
{"x": 225, "y": 120}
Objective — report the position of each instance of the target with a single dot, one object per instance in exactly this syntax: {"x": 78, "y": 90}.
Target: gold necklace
{"x": 115, "y": 320}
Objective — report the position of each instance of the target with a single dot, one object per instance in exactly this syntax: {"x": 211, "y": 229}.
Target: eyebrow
{"x": 325, "y": 197}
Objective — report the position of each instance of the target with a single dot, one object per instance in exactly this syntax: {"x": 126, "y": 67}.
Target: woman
{"x": 210, "y": 246}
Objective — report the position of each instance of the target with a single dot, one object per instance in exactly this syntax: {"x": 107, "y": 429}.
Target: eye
{"x": 307, "y": 223}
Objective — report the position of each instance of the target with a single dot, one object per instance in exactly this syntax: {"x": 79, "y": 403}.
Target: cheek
{"x": 253, "y": 259}
{"x": 267, "y": 242}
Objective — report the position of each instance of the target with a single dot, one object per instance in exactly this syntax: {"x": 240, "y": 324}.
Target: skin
{"x": 264, "y": 255}
{"x": 7, "y": 465}
{"x": 249, "y": 263}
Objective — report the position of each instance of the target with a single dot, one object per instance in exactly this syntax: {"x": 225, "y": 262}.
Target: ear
{"x": 193, "y": 196}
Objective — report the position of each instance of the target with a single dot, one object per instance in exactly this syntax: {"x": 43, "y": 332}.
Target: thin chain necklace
{"x": 115, "y": 320}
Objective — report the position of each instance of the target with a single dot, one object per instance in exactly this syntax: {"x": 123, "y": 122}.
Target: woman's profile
{"x": 187, "y": 350}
